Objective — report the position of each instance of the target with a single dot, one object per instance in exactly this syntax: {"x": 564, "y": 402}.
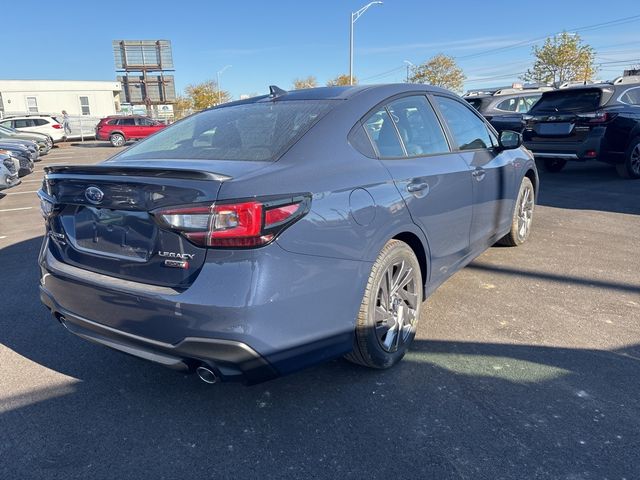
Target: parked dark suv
{"x": 590, "y": 122}
{"x": 120, "y": 129}
{"x": 504, "y": 107}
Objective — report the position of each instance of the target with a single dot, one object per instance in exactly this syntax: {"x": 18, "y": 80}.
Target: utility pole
{"x": 409, "y": 66}
{"x": 354, "y": 17}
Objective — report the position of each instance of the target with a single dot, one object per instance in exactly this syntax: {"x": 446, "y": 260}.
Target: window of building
{"x": 84, "y": 105}
{"x": 32, "y": 104}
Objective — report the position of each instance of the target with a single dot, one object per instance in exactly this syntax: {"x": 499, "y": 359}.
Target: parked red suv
{"x": 120, "y": 129}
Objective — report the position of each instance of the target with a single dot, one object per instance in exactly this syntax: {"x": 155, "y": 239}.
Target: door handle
{"x": 479, "y": 174}
{"x": 417, "y": 187}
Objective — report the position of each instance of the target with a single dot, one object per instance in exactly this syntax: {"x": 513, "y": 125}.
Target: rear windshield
{"x": 568, "y": 101}
{"x": 257, "y": 131}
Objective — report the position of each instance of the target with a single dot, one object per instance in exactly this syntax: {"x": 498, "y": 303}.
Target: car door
{"x": 144, "y": 127}
{"x": 492, "y": 169}
{"x": 435, "y": 183}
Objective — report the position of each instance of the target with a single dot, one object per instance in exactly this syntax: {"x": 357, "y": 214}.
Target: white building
{"x": 78, "y": 98}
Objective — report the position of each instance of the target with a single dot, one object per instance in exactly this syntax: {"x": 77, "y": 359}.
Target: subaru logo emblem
{"x": 94, "y": 195}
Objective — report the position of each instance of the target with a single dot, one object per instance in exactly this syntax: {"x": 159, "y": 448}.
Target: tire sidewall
{"x": 627, "y": 158}
{"x": 378, "y": 355}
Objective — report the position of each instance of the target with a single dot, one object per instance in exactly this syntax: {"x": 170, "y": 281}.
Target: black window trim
{"x": 393, "y": 98}
{"x": 454, "y": 144}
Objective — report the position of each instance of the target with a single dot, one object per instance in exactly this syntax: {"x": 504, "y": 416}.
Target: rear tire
{"x": 554, "y": 165}
{"x": 117, "y": 140}
{"x": 631, "y": 166}
{"x": 522, "y": 216}
{"x": 386, "y": 323}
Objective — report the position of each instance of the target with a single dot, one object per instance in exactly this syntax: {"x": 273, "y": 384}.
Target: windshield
{"x": 568, "y": 101}
{"x": 8, "y": 129}
{"x": 257, "y": 131}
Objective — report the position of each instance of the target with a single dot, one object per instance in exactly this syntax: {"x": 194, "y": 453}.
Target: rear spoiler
{"x": 134, "y": 172}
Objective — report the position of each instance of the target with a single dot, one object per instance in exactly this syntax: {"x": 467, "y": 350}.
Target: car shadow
{"x": 589, "y": 186}
{"x": 451, "y": 409}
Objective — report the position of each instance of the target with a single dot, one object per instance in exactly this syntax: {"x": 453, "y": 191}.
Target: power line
{"x": 524, "y": 43}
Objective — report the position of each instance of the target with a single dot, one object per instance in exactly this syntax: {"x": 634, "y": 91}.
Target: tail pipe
{"x": 207, "y": 375}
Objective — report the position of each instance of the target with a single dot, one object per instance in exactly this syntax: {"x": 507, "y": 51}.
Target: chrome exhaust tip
{"x": 207, "y": 375}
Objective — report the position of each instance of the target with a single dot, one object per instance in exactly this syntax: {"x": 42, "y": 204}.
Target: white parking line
{"x": 15, "y": 209}
{"x": 2, "y": 236}
{"x": 21, "y": 193}
{"x": 32, "y": 181}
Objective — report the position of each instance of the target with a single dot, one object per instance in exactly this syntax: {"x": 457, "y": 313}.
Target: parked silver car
{"x": 8, "y": 170}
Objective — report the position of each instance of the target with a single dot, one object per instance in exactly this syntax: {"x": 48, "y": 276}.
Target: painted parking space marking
{"x": 15, "y": 209}
{"x": 21, "y": 193}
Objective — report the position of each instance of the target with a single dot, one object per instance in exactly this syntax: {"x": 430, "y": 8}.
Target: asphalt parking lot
{"x": 526, "y": 365}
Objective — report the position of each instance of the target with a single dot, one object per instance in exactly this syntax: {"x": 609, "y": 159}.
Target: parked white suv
{"x": 37, "y": 123}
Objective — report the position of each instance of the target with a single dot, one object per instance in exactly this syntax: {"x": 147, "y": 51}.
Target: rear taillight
{"x": 242, "y": 224}
{"x": 56, "y": 125}
{"x": 596, "y": 117}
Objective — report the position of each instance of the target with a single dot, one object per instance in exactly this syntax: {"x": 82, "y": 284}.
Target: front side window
{"x": 23, "y": 123}
{"x": 418, "y": 126}
{"x": 32, "y": 104}
{"x": 469, "y": 131}
{"x": 508, "y": 105}
{"x": 258, "y": 131}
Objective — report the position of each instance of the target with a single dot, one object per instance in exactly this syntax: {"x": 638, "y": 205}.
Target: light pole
{"x": 354, "y": 17}
{"x": 218, "y": 73}
{"x": 409, "y": 65}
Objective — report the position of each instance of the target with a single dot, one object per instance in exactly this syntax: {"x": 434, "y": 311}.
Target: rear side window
{"x": 40, "y": 122}
{"x": 383, "y": 134}
{"x": 259, "y": 131}
{"x": 631, "y": 96}
{"x": 418, "y": 126}
{"x": 568, "y": 101}
{"x": 469, "y": 132}
{"x": 127, "y": 121}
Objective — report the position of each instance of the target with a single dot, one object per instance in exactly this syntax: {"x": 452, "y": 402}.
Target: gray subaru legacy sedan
{"x": 260, "y": 237}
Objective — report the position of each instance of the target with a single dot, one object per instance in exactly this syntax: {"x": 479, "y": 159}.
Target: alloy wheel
{"x": 525, "y": 212}
{"x": 396, "y": 305}
{"x": 634, "y": 161}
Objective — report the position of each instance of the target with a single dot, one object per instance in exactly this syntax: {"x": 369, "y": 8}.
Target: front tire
{"x": 386, "y": 323}
{"x": 631, "y": 166}
{"x": 554, "y": 165}
{"x": 117, "y": 140}
{"x": 522, "y": 216}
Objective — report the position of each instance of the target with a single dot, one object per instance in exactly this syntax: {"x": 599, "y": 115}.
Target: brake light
{"x": 243, "y": 224}
{"x": 596, "y": 117}
{"x": 56, "y": 125}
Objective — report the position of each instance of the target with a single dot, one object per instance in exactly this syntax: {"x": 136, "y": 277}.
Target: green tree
{"x": 306, "y": 82}
{"x": 341, "y": 80}
{"x": 562, "y": 58}
{"x": 182, "y": 107}
{"x": 205, "y": 94}
{"x": 441, "y": 71}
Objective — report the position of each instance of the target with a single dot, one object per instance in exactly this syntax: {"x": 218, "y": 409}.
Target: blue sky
{"x": 273, "y": 42}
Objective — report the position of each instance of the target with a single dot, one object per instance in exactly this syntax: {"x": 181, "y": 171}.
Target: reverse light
{"x": 242, "y": 224}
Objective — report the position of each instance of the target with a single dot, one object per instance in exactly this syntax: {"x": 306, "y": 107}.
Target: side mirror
{"x": 509, "y": 140}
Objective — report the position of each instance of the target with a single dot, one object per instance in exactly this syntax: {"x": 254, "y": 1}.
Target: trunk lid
{"x": 103, "y": 219}
{"x": 564, "y": 115}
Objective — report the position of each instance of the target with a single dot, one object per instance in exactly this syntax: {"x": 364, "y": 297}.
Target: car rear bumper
{"x": 231, "y": 360}
{"x": 278, "y": 311}
{"x": 589, "y": 149}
